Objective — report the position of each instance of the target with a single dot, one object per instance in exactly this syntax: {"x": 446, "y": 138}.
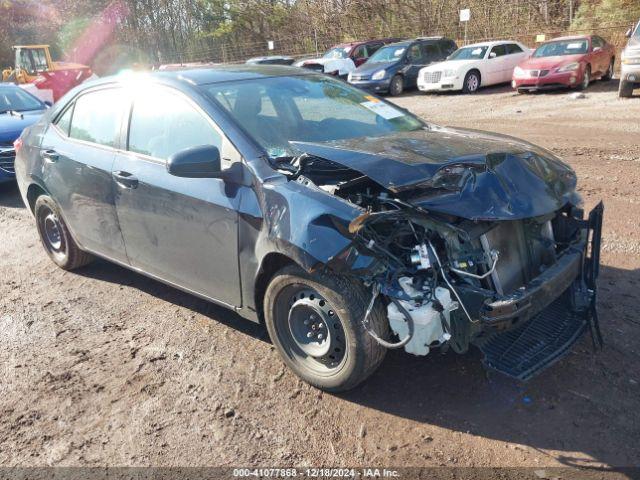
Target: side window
{"x": 360, "y": 52}
{"x": 414, "y": 54}
{"x": 431, "y": 53}
{"x": 97, "y": 117}
{"x": 499, "y": 50}
{"x": 596, "y": 42}
{"x": 513, "y": 48}
{"x": 64, "y": 121}
{"x": 373, "y": 48}
{"x": 447, "y": 47}
{"x": 164, "y": 123}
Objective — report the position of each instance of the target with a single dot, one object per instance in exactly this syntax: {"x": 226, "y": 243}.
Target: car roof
{"x": 490, "y": 44}
{"x": 212, "y": 74}
{"x": 569, "y": 37}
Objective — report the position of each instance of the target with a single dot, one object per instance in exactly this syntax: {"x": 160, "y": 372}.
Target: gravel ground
{"x": 105, "y": 367}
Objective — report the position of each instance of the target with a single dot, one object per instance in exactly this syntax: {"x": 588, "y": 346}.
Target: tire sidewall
{"x": 465, "y": 86}
{"x": 353, "y": 368}
{"x": 396, "y": 80}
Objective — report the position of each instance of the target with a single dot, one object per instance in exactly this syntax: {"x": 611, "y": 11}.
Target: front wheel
{"x": 586, "y": 78}
{"x": 396, "y": 87}
{"x": 314, "y": 321}
{"x": 471, "y": 82}
{"x": 55, "y": 236}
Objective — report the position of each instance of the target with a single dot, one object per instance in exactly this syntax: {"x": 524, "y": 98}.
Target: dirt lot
{"x": 105, "y": 367}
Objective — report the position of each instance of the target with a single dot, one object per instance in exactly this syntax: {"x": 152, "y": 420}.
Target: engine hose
{"x": 372, "y": 333}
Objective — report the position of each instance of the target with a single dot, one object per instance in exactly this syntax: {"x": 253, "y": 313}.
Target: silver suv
{"x": 630, "y": 77}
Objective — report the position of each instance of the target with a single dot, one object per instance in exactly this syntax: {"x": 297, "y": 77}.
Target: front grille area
{"x": 432, "y": 77}
{"x": 359, "y": 78}
{"x": 7, "y": 159}
{"x": 538, "y": 73}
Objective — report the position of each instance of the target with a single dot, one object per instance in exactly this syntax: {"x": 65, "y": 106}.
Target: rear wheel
{"x": 314, "y": 321}
{"x": 55, "y": 236}
{"x": 625, "y": 90}
{"x": 396, "y": 87}
{"x": 609, "y": 74}
{"x": 471, "y": 82}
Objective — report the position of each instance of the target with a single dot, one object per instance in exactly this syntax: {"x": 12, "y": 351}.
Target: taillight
{"x": 17, "y": 145}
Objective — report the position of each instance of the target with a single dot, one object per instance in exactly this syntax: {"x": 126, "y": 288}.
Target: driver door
{"x": 183, "y": 231}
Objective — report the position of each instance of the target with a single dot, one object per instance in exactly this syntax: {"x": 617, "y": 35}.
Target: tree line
{"x": 120, "y": 33}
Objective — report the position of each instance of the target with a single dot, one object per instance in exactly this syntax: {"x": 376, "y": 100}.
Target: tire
{"x": 329, "y": 309}
{"x": 396, "y": 87}
{"x": 625, "y": 90}
{"x": 608, "y": 76}
{"x": 586, "y": 78}
{"x": 55, "y": 236}
{"x": 471, "y": 82}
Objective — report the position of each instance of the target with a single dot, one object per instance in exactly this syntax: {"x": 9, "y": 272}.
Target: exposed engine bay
{"x": 448, "y": 281}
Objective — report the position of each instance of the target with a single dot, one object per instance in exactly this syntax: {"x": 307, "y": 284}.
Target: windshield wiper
{"x": 13, "y": 113}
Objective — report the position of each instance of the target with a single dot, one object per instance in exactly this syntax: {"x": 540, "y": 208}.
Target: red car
{"x": 565, "y": 62}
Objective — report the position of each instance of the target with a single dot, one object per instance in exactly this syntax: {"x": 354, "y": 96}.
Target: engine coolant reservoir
{"x": 427, "y": 323}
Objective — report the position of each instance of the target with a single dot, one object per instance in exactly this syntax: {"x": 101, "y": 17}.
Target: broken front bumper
{"x": 546, "y": 318}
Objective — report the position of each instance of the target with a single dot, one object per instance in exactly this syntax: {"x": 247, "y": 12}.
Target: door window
{"x": 431, "y": 53}
{"x": 415, "y": 54}
{"x": 447, "y": 47}
{"x": 499, "y": 50}
{"x": 596, "y": 42}
{"x": 64, "y": 121}
{"x": 513, "y": 48}
{"x": 360, "y": 52}
{"x": 164, "y": 123}
{"x": 97, "y": 117}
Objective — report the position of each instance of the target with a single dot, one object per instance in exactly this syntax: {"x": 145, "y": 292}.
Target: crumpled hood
{"x": 342, "y": 65}
{"x": 466, "y": 173}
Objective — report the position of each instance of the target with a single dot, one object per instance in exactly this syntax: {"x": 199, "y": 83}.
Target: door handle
{"x": 50, "y": 156}
{"x": 125, "y": 179}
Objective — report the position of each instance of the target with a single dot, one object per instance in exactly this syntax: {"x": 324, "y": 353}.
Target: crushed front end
{"x": 523, "y": 291}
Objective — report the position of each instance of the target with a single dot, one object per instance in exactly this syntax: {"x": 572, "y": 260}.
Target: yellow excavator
{"x": 33, "y": 64}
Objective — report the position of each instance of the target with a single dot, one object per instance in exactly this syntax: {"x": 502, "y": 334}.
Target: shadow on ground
{"x": 10, "y": 196}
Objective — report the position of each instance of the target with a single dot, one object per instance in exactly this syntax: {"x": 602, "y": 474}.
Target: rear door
{"x": 78, "y": 151}
{"x": 515, "y": 55}
{"x": 600, "y": 61}
{"x": 181, "y": 230}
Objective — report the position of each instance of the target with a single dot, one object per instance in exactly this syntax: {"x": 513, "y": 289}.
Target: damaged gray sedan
{"x": 344, "y": 223}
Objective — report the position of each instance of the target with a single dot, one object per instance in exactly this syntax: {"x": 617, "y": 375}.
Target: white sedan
{"x": 470, "y": 67}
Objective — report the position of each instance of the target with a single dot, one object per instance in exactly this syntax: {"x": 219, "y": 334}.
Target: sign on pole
{"x": 465, "y": 16}
{"x": 270, "y": 45}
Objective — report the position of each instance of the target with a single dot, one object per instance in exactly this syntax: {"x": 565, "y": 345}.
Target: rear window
{"x": 97, "y": 116}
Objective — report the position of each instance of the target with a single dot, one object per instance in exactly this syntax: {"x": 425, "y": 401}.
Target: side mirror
{"x": 196, "y": 162}
{"x": 493, "y": 55}
{"x": 629, "y": 32}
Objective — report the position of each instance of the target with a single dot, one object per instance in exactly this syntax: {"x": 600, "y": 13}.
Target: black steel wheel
{"x": 625, "y": 90}
{"x": 55, "y": 236}
{"x": 314, "y": 322}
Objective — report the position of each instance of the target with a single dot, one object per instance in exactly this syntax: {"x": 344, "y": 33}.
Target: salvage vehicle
{"x": 337, "y": 219}
{"x": 566, "y": 62}
{"x": 394, "y": 68}
{"x": 342, "y": 59}
{"x": 18, "y": 110}
{"x": 33, "y": 64}
{"x": 474, "y": 66}
{"x": 630, "y": 75}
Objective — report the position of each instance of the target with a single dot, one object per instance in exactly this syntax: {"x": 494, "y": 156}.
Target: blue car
{"x": 394, "y": 68}
{"x": 18, "y": 110}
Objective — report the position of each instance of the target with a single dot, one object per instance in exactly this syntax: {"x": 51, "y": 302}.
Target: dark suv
{"x": 394, "y": 68}
{"x": 337, "y": 219}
